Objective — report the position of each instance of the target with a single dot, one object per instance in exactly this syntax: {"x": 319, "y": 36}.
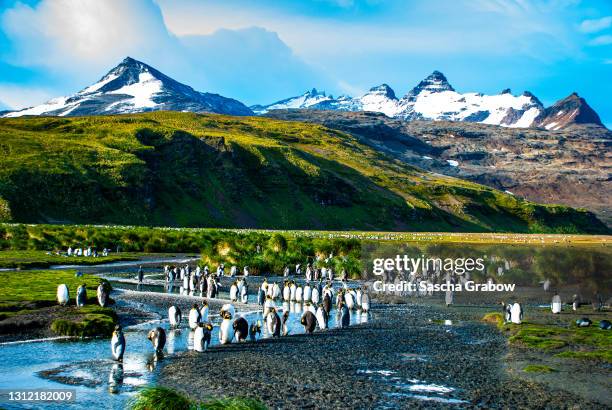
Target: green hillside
{"x": 185, "y": 169}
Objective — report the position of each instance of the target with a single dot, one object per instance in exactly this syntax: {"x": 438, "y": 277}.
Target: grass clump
{"x": 29, "y": 259}
{"x": 87, "y": 321}
{"x": 163, "y": 398}
{"x": 538, "y": 368}
{"x": 494, "y": 318}
{"x": 595, "y": 355}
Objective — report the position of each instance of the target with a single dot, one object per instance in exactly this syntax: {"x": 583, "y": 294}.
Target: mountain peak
{"x": 571, "y": 110}
{"x": 383, "y": 90}
{"x": 434, "y": 83}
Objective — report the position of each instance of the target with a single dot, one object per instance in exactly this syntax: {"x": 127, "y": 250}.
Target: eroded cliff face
{"x": 569, "y": 166}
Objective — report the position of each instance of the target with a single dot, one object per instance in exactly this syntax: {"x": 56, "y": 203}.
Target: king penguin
{"x": 201, "y": 337}
{"x": 327, "y": 303}
{"x": 244, "y": 293}
{"x": 556, "y": 306}
{"x": 241, "y": 329}
{"x": 174, "y": 316}
{"x": 274, "y": 323}
{"x": 118, "y": 344}
{"x": 345, "y": 318}
{"x": 516, "y": 314}
{"x": 309, "y": 321}
{"x": 226, "y": 330}
{"x": 81, "y": 296}
{"x": 365, "y": 302}
{"x": 157, "y": 337}
{"x": 322, "y": 317}
{"x": 204, "y": 312}
{"x": 255, "y": 330}
{"x": 194, "y": 317}
{"x": 102, "y": 295}
{"x": 285, "y": 323}
{"x": 62, "y": 294}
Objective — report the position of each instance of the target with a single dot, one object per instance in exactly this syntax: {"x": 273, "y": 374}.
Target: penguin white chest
{"x": 62, "y": 294}
{"x": 193, "y": 318}
{"x": 226, "y": 332}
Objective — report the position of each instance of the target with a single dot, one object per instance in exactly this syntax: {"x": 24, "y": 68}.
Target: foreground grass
{"x": 572, "y": 342}
{"x": 27, "y": 294}
{"x": 162, "y": 398}
{"x": 29, "y": 259}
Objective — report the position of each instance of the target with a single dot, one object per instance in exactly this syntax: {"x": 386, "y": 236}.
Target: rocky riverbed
{"x": 411, "y": 356}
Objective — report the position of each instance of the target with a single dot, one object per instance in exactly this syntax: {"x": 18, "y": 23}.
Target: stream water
{"x": 87, "y": 365}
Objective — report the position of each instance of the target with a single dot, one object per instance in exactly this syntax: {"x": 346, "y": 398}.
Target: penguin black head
{"x": 204, "y": 303}
{"x": 227, "y": 315}
{"x": 195, "y": 306}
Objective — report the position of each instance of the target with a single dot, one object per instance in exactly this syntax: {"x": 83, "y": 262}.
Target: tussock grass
{"x": 162, "y": 398}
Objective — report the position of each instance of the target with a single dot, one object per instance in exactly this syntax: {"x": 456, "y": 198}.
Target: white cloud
{"x": 70, "y": 34}
{"x": 601, "y": 40}
{"x": 595, "y": 25}
{"x": 16, "y": 97}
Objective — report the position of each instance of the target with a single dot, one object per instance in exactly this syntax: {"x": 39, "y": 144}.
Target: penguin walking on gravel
{"x": 62, "y": 295}
{"x": 273, "y": 323}
{"x": 118, "y": 344}
{"x": 322, "y": 317}
{"x": 226, "y": 330}
{"x": 157, "y": 337}
{"x": 81, "y": 296}
{"x": 194, "y": 317}
{"x": 345, "y": 316}
{"x": 102, "y": 295}
{"x": 241, "y": 329}
{"x": 174, "y": 316}
{"x": 202, "y": 336}
{"x": 255, "y": 330}
{"x": 309, "y": 321}
{"x": 285, "y": 323}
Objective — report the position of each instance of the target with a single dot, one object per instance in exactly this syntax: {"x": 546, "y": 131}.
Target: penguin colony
{"x": 316, "y": 298}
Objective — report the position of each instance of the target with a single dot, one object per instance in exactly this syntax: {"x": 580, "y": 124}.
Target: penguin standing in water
{"x": 556, "y": 306}
{"x": 276, "y": 291}
{"x": 345, "y": 317}
{"x": 81, "y": 296}
{"x": 118, "y": 344}
{"x": 365, "y": 302}
{"x": 226, "y": 330}
{"x": 285, "y": 324}
{"x": 292, "y": 290}
{"x": 204, "y": 312}
{"x": 194, "y": 317}
{"x": 268, "y": 305}
{"x": 244, "y": 293}
{"x": 309, "y": 321}
{"x": 327, "y": 303}
{"x": 228, "y": 307}
{"x": 241, "y": 329}
{"x": 314, "y": 297}
{"x": 140, "y": 274}
{"x": 298, "y": 294}
{"x": 62, "y": 294}
{"x": 201, "y": 337}
{"x": 102, "y": 295}
{"x": 174, "y": 316}
{"x": 322, "y": 317}
{"x": 203, "y": 286}
{"x": 286, "y": 292}
{"x": 157, "y": 337}
{"x": 349, "y": 299}
{"x": 273, "y": 323}
{"x": 261, "y": 297}
{"x": 255, "y": 330}
{"x": 211, "y": 291}
{"x": 307, "y": 293}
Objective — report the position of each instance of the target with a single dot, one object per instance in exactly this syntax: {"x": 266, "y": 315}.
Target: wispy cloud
{"x": 601, "y": 40}
{"x": 595, "y": 25}
{"x": 16, "y": 97}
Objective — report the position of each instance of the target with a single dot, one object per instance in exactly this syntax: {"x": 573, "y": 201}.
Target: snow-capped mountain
{"x": 568, "y": 111}
{"x": 306, "y": 100}
{"x": 132, "y": 87}
{"x": 435, "y": 99}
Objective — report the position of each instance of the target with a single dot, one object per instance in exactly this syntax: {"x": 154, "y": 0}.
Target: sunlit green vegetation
{"x": 185, "y": 169}
{"x": 31, "y": 292}
{"x": 163, "y": 398}
{"x": 28, "y": 259}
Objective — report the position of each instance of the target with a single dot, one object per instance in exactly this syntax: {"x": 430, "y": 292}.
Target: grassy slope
{"x": 33, "y": 293}
{"x": 41, "y": 259}
{"x": 184, "y": 169}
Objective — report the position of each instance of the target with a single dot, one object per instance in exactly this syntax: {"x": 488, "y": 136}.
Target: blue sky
{"x": 262, "y": 51}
